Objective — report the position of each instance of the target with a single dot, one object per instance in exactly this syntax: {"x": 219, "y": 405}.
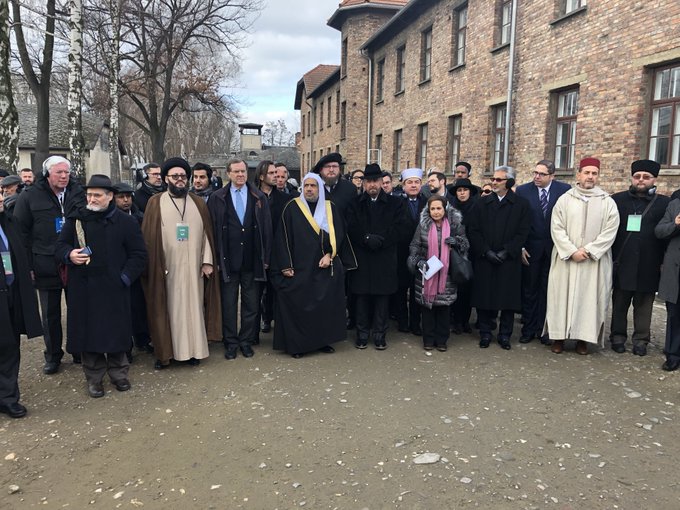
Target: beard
{"x": 95, "y": 208}
{"x": 176, "y": 191}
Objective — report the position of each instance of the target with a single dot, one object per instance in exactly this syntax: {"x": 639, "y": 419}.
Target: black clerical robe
{"x": 310, "y": 306}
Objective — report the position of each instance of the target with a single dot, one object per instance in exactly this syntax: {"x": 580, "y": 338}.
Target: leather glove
{"x": 492, "y": 257}
{"x": 422, "y": 265}
{"x": 450, "y": 241}
{"x": 503, "y": 255}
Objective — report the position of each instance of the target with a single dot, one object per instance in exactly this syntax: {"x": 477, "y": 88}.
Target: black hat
{"x": 465, "y": 164}
{"x": 645, "y": 165}
{"x": 333, "y": 157}
{"x": 123, "y": 188}
{"x": 464, "y": 183}
{"x": 175, "y": 162}
{"x": 372, "y": 171}
{"x": 100, "y": 181}
{"x": 10, "y": 180}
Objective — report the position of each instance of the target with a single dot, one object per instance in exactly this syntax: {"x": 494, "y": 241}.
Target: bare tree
{"x": 75, "y": 88}
{"x": 9, "y": 119}
{"x": 276, "y": 133}
{"x": 114, "y": 77}
{"x": 39, "y": 82}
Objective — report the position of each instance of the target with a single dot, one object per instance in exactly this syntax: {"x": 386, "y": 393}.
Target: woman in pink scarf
{"x": 439, "y": 231}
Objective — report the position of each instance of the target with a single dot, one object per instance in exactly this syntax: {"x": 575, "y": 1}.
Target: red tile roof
{"x": 317, "y": 76}
{"x": 347, "y": 3}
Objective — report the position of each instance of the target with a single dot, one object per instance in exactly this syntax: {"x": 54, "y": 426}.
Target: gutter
{"x": 511, "y": 74}
{"x": 369, "y": 117}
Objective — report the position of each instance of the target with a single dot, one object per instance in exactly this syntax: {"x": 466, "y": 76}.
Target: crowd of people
{"x": 181, "y": 260}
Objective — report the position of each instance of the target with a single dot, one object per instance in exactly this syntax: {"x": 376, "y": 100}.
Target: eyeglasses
{"x": 497, "y": 179}
{"x": 486, "y": 191}
{"x": 541, "y": 174}
{"x": 357, "y": 178}
{"x": 178, "y": 177}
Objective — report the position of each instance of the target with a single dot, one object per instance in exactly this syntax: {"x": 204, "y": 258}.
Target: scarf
{"x": 437, "y": 247}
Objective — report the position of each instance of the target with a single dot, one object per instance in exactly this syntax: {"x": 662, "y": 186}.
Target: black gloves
{"x": 493, "y": 257}
{"x": 373, "y": 241}
{"x": 422, "y": 265}
{"x": 503, "y": 255}
{"x": 450, "y": 241}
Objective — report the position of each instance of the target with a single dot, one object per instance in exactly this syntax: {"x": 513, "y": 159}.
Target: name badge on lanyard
{"x": 182, "y": 232}
{"x": 58, "y": 224}
{"x": 634, "y": 223}
{"x": 7, "y": 262}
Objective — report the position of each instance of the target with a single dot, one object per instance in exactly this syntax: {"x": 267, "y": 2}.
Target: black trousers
{"x": 250, "y": 304}
{"x": 97, "y": 364}
{"x": 407, "y": 310}
{"x": 267, "y": 303}
{"x": 487, "y": 322}
{"x": 672, "y": 347}
{"x": 50, "y": 310}
{"x": 643, "y": 303}
{"x": 534, "y": 295}
{"x": 436, "y": 326}
{"x": 10, "y": 358}
{"x": 372, "y": 313}
{"x": 140, "y": 326}
{"x": 461, "y": 309}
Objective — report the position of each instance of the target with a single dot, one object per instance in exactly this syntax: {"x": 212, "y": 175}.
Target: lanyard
{"x": 184, "y": 209}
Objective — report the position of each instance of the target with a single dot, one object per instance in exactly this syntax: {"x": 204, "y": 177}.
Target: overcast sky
{"x": 288, "y": 39}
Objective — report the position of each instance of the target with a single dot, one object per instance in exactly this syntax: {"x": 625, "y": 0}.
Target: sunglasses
{"x": 486, "y": 191}
{"x": 497, "y": 179}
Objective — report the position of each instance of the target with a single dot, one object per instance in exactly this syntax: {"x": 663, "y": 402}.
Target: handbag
{"x": 460, "y": 268}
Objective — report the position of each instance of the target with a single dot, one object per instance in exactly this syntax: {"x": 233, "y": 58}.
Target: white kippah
{"x": 411, "y": 172}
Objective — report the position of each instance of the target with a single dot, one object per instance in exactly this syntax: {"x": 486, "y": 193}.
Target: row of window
{"x": 458, "y": 44}
{"x": 310, "y": 122}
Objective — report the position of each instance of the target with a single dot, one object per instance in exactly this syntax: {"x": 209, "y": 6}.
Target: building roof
{"x": 348, "y": 7}
{"x": 396, "y": 25}
{"x": 313, "y": 80}
{"x": 59, "y": 130}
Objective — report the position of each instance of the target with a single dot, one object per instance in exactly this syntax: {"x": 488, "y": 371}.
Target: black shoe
{"x": 51, "y": 367}
{"x": 545, "y": 340}
{"x": 122, "y": 385}
{"x": 297, "y": 355}
{"x": 361, "y": 343}
{"x": 247, "y": 351}
{"x": 380, "y": 344}
{"x": 148, "y": 348}
{"x": 266, "y": 327}
{"x": 76, "y": 359}
{"x": 441, "y": 348}
{"x": 328, "y": 349}
{"x": 13, "y": 410}
{"x": 160, "y": 366}
{"x": 467, "y": 328}
{"x": 640, "y": 350}
{"x": 96, "y": 390}
{"x": 671, "y": 365}
{"x": 504, "y": 343}
{"x": 620, "y": 348}
{"x": 231, "y": 352}
{"x": 484, "y": 342}
{"x": 417, "y": 331}
{"x": 193, "y": 362}
{"x": 524, "y": 339}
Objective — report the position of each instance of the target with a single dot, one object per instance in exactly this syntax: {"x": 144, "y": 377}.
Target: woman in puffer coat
{"x": 440, "y": 229}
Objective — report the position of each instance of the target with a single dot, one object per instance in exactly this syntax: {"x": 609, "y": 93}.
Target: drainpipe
{"x": 311, "y": 136}
{"x": 511, "y": 73}
{"x": 369, "y": 126}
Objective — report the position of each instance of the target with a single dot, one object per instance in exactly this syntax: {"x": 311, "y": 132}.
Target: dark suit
{"x": 539, "y": 245}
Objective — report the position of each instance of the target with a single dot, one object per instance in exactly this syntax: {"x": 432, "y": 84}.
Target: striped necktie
{"x": 544, "y": 202}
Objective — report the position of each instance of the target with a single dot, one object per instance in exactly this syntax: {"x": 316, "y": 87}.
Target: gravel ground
{"x": 519, "y": 429}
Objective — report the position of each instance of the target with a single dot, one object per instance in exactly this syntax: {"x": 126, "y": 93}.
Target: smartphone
{"x": 86, "y": 251}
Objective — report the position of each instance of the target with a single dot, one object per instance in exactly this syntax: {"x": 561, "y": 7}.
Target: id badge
{"x": 182, "y": 232}
{"x": 58, "y": 224}
{"x": 634, "y": 223}
{"x": 7, "y": 262}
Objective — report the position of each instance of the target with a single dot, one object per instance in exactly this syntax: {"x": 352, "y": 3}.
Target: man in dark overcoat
{"x": 375, "y": 223}
{"x": 497, "y": 229}
{"x": 104, "y": 251}
{"x": 542, "y": 194}
{"x": 338, "y": 190}
{"x": 638, "y": 256}
{"x": 41, "y": 210}
{"x": 18, "y": 311}
{"x": 406, "y": 308}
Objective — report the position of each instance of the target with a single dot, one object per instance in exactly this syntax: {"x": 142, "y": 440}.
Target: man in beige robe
{"x": 584, "y": 224}
{"x": 182, "y": 292}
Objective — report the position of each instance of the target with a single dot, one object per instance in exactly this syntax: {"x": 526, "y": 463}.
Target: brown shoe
{"x": 581, "y": 348}
{"x": 557, "y": 346}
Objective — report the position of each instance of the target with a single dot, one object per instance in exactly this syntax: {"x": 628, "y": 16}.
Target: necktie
{"x": 544, "y": 201}
{"x": 240, "y": 209}
{"x": 414, "y": 208}
{"x": 9, "y": 278}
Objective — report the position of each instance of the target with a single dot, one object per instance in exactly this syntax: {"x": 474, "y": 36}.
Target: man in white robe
{"x": 584, "y": 224}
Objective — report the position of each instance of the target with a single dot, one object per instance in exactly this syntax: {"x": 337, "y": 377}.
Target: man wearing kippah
{"x": 638, "y": 255}
{"x": 583, "y": 226}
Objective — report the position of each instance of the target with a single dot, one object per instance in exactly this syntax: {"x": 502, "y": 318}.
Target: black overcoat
{"x": 410, "y": 224}
{"x": 98, "y": 294}
{"x": 377, "y": 271}
{"x": 496, "y": 226}
{"x": 26, "y": 319}
{"x": 638, "y": 262}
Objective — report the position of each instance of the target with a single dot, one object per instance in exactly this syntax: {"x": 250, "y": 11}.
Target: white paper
{"x": 433, "y": 266}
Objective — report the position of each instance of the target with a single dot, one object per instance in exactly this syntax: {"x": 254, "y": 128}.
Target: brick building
{"x": 425, "y": 83}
